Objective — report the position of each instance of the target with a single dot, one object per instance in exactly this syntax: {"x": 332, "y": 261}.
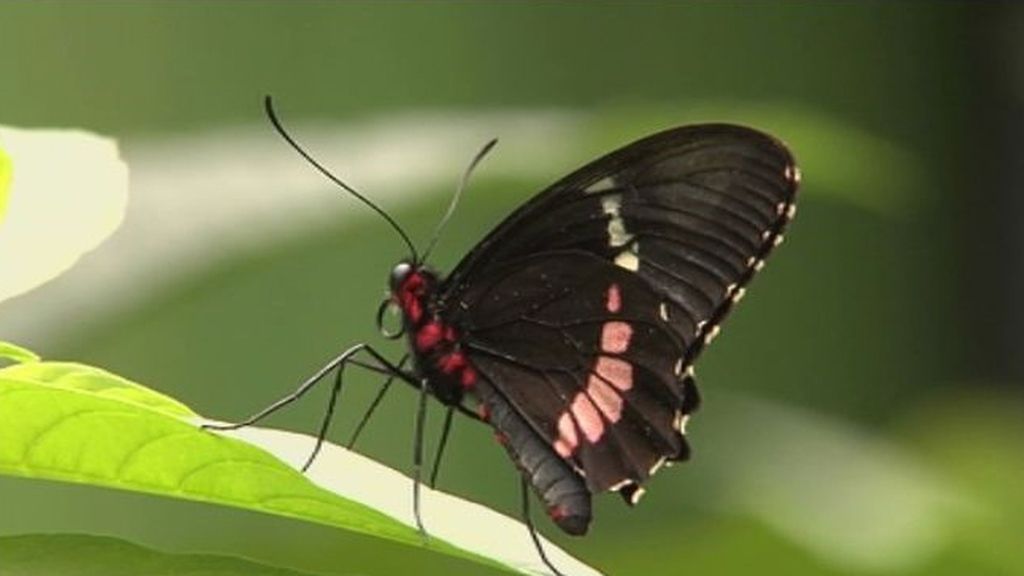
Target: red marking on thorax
{"x": 468, "y": 377}
{"x": 432, "y": 338}
{"x": 429, "y": 336}
{"x": 436, "y": 337}
{"x": 452, "y": 362}
{"x": 409, "y": 295}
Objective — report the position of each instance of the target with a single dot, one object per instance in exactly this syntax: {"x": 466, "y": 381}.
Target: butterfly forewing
{"x": 585, "y": 308}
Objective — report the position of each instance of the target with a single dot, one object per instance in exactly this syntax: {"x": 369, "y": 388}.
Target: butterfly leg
{"x": 328, "y": 416}
{"x": 299, "y": 392}
{"x": 524, "y": 488}
{"x": 445, "y": 430}
{"x": 380, "y": 364}
{"x": 419, "y": 431}
{"x": 377, "y": 399}
{"x": 417, "y": 456}
{"x": 383, "y": 367}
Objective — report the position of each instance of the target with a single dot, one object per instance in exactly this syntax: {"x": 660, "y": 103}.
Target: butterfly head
{"x": 411, "y": 286}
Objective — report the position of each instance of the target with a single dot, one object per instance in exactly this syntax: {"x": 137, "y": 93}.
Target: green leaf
{"x": 94, "y": 381}
{"x": 17, "y": 353}
{"x": 5, "y": 181}
{"x": 84, "y": 555}
{"x": 75, "y": 423}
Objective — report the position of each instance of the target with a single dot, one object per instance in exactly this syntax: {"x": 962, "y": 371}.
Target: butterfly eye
{"x": 389, "y": 309}
{"x": 398, "y": 275}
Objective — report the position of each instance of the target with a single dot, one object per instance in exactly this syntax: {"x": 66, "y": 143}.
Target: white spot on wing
{"x": 628, "y": 259}
{"x": 680, "y": 422}
{"x": 636, "y": 495}
{"x": 619, "y": 485}
{"x": 602, "y": 185}
{"x": 777, "y": 240}
{"x": 791, "y": 211}
{"x": 663, "y": 311}
{"x": 758, "y": 265}
{"x": 793, "y": 174}
{"x": 678, "y": 368}
{"x": 657, "y": 466}
{"x": 712, "y": 334}
{"x": 617, "y": 234}
{"x": 740, "y": 292}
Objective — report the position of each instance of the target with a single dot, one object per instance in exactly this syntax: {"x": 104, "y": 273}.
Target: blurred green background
{"x": 862, "y": 409}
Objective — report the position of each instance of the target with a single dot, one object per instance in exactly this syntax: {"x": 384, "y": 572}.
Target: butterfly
{"x": 572, "y": 328}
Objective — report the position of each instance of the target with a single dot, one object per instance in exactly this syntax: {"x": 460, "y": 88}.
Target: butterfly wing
{"x": 584, "y": 310}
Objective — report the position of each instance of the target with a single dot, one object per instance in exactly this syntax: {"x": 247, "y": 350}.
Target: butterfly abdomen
{"x": 563, "y": 491}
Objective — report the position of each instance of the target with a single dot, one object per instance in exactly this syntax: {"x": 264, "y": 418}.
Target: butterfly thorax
{"x": 435, "y": 344}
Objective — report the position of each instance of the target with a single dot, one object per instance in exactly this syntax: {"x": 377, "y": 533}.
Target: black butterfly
{"x": 572, "y": 328}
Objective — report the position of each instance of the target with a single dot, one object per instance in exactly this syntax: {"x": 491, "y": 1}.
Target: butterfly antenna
{"x": 269, "y": 107}
{"x": 458, "y": 194}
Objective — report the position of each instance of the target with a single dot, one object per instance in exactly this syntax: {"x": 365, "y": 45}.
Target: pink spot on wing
{"x": 588, "y": 417}
{"x": 562, "y": 448}
{"x": 567, "y": 440}
{"x": 615, "y": 337}
{"x": 615, "y": 371}
{"x": 613, "y": 301}
{"x": 607, "y": 398}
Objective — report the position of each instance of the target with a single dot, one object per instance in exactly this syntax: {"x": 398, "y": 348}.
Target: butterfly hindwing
{"x": 590, "y": 368}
